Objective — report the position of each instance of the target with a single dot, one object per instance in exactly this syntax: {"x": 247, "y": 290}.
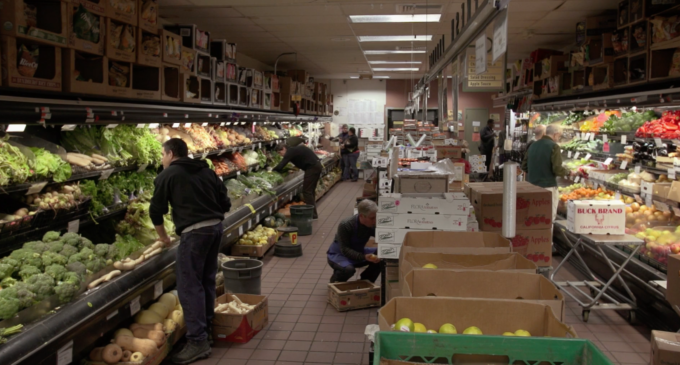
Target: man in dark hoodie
{"x": 199, "y": 201}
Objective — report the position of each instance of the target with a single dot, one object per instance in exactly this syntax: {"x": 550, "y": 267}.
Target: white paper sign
{"x": 623, "y": 139}
{"x": 135, "y": 306}
{"x": 106, "y": 174}
{"x": 637, "y": 169}
{"x": 671, "y": 173}
{"x": 577, "y": 179}
{"x": 576, "y": 155}
{"x": 608, "y": 161}
{"x": 658, "y": 142}
{"x": 158, "y": 289}
{"x": 480, "y": 55}
{"x": 142, "y": 167}
{"x": 36, "y": 188}
{"x": 569, "y": 154}
{"x": 604, "y": 138}
{"x": 648, "y": 200}
{"x": 586, "y": 137}
{"x": 624, "y": 164}
{"x": 73, "y": 226}
{"x": 588, "y": 156}
{"x": 500, "y": 37}
{"x": 65, "y": 354}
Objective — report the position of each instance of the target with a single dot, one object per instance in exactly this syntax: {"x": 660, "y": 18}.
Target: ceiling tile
{"x": 199, "y": 12}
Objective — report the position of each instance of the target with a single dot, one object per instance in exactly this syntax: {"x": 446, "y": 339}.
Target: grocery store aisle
{"x": 304, "y": 329}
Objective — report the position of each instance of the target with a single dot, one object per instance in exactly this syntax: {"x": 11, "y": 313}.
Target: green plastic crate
{"x": 440, "y": 349}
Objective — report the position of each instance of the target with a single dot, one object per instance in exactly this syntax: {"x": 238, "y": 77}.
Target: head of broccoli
{"x": 68, "y": 250}
{"x": 51, "y": 258}
{"x": 101, "y": 250}
{"x": 51, "y": 236}
{"x": 9, "y": 306}
{"x": 87, "y": 253}
{"x": 11, "y": 262}
{"x": 55, "y": 246}
{"x": 24, "y": 294}
{"x": 84, "y": 242}
{"x": 33, "y": 260}
{"x": 36, "y": 246}
{"x": 28, "y": 271}
{"x": 42, "y": 285}
{"x": 8, "y": 282}
{"x": 6, "y": 271}
{"x": 113, "y": 252}
{"x": 66, "y": 291}
{"x": 95, "y": 264}
{"x": 21, "y": 254}
{"x": 76, "y": 267}
{"x": 75, "y": 258}
{"x": 70, "y": 235}
{"x": 71, "y": 278}
{"x": 56, "y": 271}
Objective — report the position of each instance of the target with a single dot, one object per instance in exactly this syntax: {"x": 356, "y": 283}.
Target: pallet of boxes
{"x": 499, "y": 307}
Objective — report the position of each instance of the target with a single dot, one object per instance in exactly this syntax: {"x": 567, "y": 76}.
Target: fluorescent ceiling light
{"x": 396, "y": 18}
{"x": 354, "y": 77}
{"x": 382, "y": 52}
{"x": 397, "y": 69}
{"x": 381, "y": 77}
{"x": 394, "y": 38}
{"x": 394, "y": 62}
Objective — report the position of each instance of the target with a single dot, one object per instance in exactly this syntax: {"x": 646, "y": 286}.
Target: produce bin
{"x": 408, "y": 348}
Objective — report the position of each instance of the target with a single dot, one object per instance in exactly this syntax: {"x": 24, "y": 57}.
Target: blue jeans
{"x": 351, "y": 166}
{"x": 196, "y": 270}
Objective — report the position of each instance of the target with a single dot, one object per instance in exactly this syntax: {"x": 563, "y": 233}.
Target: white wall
{"x": 345, "y": 90}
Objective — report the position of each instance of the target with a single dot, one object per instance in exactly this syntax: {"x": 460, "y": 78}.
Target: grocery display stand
{"x": 597, "y": 287}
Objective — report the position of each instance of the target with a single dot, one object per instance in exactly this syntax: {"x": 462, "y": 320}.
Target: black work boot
{"x": 211, "y": 342}
{"x": 192, "y": 351}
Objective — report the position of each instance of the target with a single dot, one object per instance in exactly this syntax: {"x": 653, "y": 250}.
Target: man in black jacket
{"x": 351, "y": 148}
{"x": 488, "y": 141}
{"x": 305, "y": 159}
{"x": 199, "y": 201}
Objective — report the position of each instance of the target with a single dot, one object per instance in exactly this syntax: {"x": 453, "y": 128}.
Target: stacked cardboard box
{"x": 533, "y": 220}
{"x": 401, "y": 213}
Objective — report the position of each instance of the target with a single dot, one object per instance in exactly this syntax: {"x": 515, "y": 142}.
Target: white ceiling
{"x": 325, "y": 41}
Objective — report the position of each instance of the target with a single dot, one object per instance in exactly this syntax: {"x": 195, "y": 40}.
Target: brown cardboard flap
{"x": 454, "y": 242}
{"x": 493, "y": 317}
{"x": 351, "y": 286}
{"x": 493, "y": 262}
{"x": 533, "y": 288}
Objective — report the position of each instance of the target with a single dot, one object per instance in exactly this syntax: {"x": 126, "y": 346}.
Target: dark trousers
{"x": 342, "y": 274}
{"x": 351, "y": 166}
{"x": 196, "y": 270}
{"x": 311, "y": 180}
{"x": 343, "y": 162}
{"x": 489, "y": 155}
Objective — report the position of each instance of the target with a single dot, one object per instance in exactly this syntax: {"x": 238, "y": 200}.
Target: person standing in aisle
{"x": 199, "y": 202}
{"x": 488, "y": 141}
{"x": 348, "y": 250}
{"x": 304, "y": 159}
{"x": 344, "y": 133}
{"x": 539, "y": 132}
{"x": 544, "y": 163}
{"x": 352, "y": 147}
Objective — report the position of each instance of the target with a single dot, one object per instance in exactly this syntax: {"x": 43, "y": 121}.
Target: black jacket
{"x": 487, "y": 138}
{"x": 194, "y": 191}
{"x": 301, "y": 156}
{"x": 351, "y": 144}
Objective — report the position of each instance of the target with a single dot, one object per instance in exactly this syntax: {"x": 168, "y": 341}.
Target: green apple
{"x": 448, "y": 328}
{"x": 472, "y": 331}
{"x": 508, "y": 334}
{"x": 429, "y": 266}
{"x": 522, "y": 333}
{"x": 404, "y": 325}
{"x": 431, "y": 331}
{"x": 419, "y": 327}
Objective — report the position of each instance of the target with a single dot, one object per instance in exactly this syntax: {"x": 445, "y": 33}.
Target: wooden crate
{"x": 567, "y": 79}
{"x": 603, "y": 76}
{"x": 192, "y": 37}
{"x": 232, "y": 94}
{"x": 550, "y": 66}
{"x": 79, "y": 66}
{"x": 600, "y": 49}
{"x": 660, "y": 63}
{"x": 300, "y": 76}
{"x": 146, "y": 82}
{"x": 621, "y": 41}
{"x": 620, "y": 72}
{"x": 125, "y": 12}
{"x": 638, "y": 71}
{"x": 552, "y": 86}
{"x": 623, "y": 15}
{"x": 207, "y": 90}
{"x": 636, "y": 9}
{"x": 51, "y": 22}
{"x": 149, "y": 49}
{"x": 219, "y": 93}
{"x": 171, "y": 82}
{"x": 171, "y": 47}
{"x": 203, "y": 65}
{"x": 85, "y": 45}
{"x": 98, "y": 7}
{"x": 148, "y": 16}
{"x": 257, "y": 80}
{"x": 116, "y": 38}
{"x": 639, "y": 37}
{"x": 287, "y": 93}
{"x": 190, "y": 89}
{"x": 46, "y": 77}
{"x": 120, "y": 71}
{"x": 578, "y": 80}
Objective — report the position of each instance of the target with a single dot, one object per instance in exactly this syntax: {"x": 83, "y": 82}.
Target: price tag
{"x": 65, "y": 127}
{"x": 238, "y": 173}
{"x": 588, "y": 156}
{"x": 65, "y": 354}
{"x": 106, "y": 174}
{"x": 637, "y": 169}
{"x": 637, "y": 198}
{"x": 617, "y": 196}
{"x": 158, "y": 289}
{"x": 252, "y": 147}
{"x": 187, "y": 125}
{"x": 662, "y": 206}
{"x": 204, "y": 124}
{"x": 186, "y": 116}
{"x": 259, "y": 145}
{"x": 576, "y": 155}
{"x": 36, "y": 188}
{"x": 74, "y": 225}
{"x": 270, "y": 209}
{"x": 142, "y": 167}
{"x": 605, "y": 147}
{"x": 205, "y": 154}
{"x": 111, "y": 315}
{"x": 175, "y": 125}
{"x": 250, "y": 224}
{"x": 592, "y": 137}
{"x": 624, "y": 164}
{"x": 605, "y": 138}
{"x": 671, "y": 174}
{"x": 569, "y": 154}
{"x": 623, "y": 139}
{"x": 257, "y": 217}
{"x": 240, "y": 230}
{"x": 191, "y": 155}
{"x": 648, "y": 200}
{"x": 586, "y": 136}
{"x": 221, "y": 152}
{"x": 595, "y": 185}
{"x": 153, "y": 125}
{"x": 576, "y": 179}
{"x": 141, "y": 125}
{"x": 608, "y": 161}
{"x": 658, "y": 142}
{"x": 135, "y": 306}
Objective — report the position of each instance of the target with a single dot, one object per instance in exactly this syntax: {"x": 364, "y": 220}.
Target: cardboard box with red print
{"x": 535, "y": 245}
{"x": 534, "y": 206}
{"x": 596, "y": 217}
{"x": 241, "y": 327}
{"x": 353, "y": 295}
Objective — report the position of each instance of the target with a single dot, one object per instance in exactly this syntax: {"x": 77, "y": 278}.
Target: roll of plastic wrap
{"x": 509, "y": 199}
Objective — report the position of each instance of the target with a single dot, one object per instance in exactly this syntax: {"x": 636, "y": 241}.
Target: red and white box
{"x": 596, "y": 217}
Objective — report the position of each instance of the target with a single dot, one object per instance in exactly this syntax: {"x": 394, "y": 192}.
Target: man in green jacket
{"x": 544, "y": 163}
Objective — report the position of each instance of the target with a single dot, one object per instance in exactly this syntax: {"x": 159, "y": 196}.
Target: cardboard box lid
{"x": 452, "y": 261}
{"x": 492, "y": 316}
{"x": 352, "y": 286}
{"x": 453, "y": 240}
{"x": 483, "y": 284}
{"x": 666, "y": 341}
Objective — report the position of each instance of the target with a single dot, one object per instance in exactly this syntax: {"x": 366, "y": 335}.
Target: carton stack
{"x": 402, "y": 213}
{"x": 534, "y": 217}
{"x": 196, "y": 64}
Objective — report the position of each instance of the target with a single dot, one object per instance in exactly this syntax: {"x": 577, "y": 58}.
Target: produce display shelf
{"x": 75, "y": 177}
{"x": 20, "y": 106}
{"x": 77, "y": 326}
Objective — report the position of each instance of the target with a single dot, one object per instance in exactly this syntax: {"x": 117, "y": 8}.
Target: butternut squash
{"x": 145, "y": 346}
{"x": 122, "y": 331}
{"x": 96, "y": 354}
{"x": 137, "y": 357}
{"x": 169, "y": 325}
{"x": 157, "y": 336}
{"x": 178, "y": 317}
{"x": 169, "y": 300}
{"x": 126, "y": 356}
{"x": 148, "y": 317}
{"x": 150, "y": 326}
{"x": 160, "y": 308}
{"x": 112, "y": 353}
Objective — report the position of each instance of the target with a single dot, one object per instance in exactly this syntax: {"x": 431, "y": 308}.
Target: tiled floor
{"x": 304, "y": 329}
